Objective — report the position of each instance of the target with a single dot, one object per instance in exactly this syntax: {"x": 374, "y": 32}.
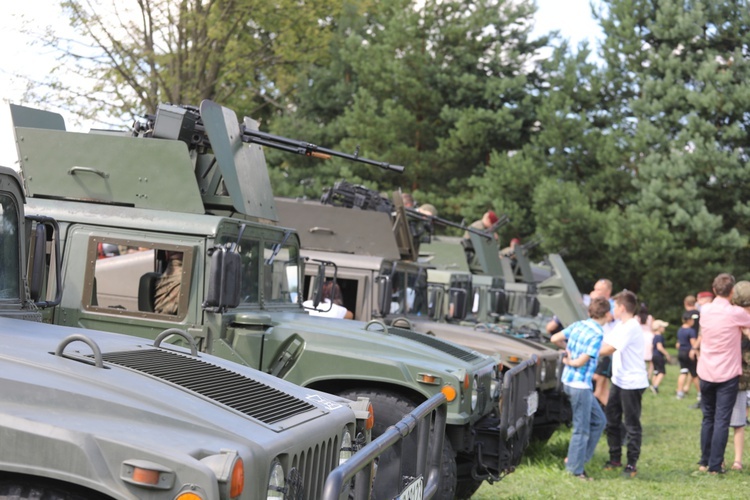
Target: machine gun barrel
{"x": 309, "y": 149}
{"x": 443, "y": 222}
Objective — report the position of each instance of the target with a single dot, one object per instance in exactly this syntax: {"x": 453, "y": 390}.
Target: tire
{"x": 389, "y": 408}
{"x": 542, "y": 433}
{"x": 37, "y": 490}
{"x": 465, "y": 488}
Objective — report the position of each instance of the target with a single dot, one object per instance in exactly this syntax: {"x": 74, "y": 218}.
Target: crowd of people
{"x": 612, "y": 357}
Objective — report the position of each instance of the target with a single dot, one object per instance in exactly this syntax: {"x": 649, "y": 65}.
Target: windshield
{"x": 280, "y": 270}
{"x": 9, "y": 274}
{"x": 409, "y": 293}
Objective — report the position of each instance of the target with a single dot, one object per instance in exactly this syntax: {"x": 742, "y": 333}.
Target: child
{"x": 584, "y": 340}
{"x": 687, "y": 339}
{"x": 660, "y": 359}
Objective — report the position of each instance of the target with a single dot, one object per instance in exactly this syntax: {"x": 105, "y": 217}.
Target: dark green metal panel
{"x": 36, "y": 118}
{"x": 122, "y": 170}
{"x": 488, "y": 254}
{"x": 243, "y": 167}
{"x": 335, "y": 229}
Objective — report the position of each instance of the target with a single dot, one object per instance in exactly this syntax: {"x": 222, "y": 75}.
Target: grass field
{"x": 667, "y": 467}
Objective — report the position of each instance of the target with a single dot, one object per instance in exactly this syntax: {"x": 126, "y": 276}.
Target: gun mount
{"x": 185, "y": 123}
{"x": 206, "y": 161}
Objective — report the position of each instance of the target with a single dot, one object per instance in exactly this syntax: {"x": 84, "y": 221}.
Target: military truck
{"x": 380, "y": 279}
{"x": 93, "y": 415}
{"x": 162, "y": 205}
{"x": 529, "y": 289}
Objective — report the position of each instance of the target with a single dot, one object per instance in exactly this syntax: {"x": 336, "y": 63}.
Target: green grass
{"x": 667, "y": 467}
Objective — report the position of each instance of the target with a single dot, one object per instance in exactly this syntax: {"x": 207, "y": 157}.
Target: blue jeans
{"x": 717, "y": 402}
{"x": 588, "y": 424}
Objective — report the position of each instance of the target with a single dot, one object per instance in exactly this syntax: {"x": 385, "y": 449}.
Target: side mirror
{"x": 435, "y": 302}
{"x": 38, "y": 265}
{"x": 385, "y": 291}
{"x": 320, "y": 281}
{"x": 224, "y": 279}
{"x": 456, "y": 303}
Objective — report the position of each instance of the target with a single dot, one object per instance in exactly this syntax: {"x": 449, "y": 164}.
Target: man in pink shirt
{"x": 719, "y": 369}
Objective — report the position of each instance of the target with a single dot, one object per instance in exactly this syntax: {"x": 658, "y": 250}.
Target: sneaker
{"x": 612, "y": 465}
{"x": 695, "y": 406}
{"x": 629, "y": 471}
{"x": 654, "y": 389}
{"x": 680, "y": 394}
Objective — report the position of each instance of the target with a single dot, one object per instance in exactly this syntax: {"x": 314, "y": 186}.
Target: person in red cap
{"x": 484, "y": 224}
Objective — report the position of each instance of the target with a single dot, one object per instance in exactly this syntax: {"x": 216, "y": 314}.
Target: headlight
{"x": 346, "y": 447}
{"x": 276, "y": 481}
{"x": 474, "y": 393}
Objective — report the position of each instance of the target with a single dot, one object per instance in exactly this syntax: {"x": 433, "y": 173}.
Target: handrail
{"x": 429, "y": 418}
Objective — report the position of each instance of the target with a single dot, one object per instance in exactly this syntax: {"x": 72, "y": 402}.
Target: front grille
{"x": 223, "y": 386}
{"x": 440, "y": 345}
{"x": 314, "y": 465}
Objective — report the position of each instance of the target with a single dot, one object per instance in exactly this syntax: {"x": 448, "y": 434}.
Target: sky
{"x": 21, "y": 55}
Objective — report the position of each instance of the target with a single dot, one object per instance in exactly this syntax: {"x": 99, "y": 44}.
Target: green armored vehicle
{"x": 145, "y": 219}
{"x": 93, "y": 415}
{"x": 377, "y": 271}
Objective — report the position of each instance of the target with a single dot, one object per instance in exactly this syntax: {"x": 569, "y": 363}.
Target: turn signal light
{"x": 188, "y": 495}
{"x": 426, "y": 378}
{"x": 370, "y": 422}
{"x": 450, "y": 392}
{"x": 238, "y": 479}
{"x": 145, "y": 476}
{"x": 467, "y": 381}
{"x": 514, "y": 359}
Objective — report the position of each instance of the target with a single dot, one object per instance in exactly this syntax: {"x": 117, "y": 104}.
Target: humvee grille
{"x": 236, "y": 391}
{"x": 453, "y": 350}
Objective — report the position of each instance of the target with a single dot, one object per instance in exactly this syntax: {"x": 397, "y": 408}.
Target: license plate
{"x": 532, "y": 403}
{"x": 413, "y": 491}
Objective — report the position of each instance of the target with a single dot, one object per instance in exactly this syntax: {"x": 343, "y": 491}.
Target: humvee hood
{"x": 371, "y": 338}
{"x": 46, "y": 388}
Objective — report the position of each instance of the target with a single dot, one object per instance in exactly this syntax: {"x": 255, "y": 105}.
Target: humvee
{"x": 93, "y": 415}
{"x": 193, "y": 182}
{"x": 380, "y": 278}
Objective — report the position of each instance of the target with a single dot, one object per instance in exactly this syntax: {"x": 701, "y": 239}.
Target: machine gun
{"x": 185, "y": 123}
{"x": 348, "y": 195}
{"x": 503, "y": 220}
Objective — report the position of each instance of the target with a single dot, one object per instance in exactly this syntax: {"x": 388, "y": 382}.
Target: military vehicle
{"x": 157, "y": 209}
{"x": 93, "y": 415}
{"x": 376, "y": 268}
{"x": 530, "y": 289}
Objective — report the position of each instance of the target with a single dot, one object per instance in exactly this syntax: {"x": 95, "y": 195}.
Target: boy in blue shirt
{"x": 687, "y": 341}
{"x": 584, "y": 338}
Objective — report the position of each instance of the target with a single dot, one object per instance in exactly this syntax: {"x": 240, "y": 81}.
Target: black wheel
{"x": 465, "y": 488}
{"x": 38, "y": 490}
{"x": 542, "y": 433}
{"x": 389, "y": 408}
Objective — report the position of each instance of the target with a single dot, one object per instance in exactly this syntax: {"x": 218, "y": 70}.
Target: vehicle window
{"x": 417, "y": 290}
{"x": 249, "y": 250}
{"x": 9, "y": 271}
{"x": 281, "y": 274}
{"x": 399, "y": 293}
{"x": 128, "y": 277}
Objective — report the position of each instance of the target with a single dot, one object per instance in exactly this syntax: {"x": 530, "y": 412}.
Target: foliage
{"x": 435, "y": 87}
{"x": 130, "y": 57}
